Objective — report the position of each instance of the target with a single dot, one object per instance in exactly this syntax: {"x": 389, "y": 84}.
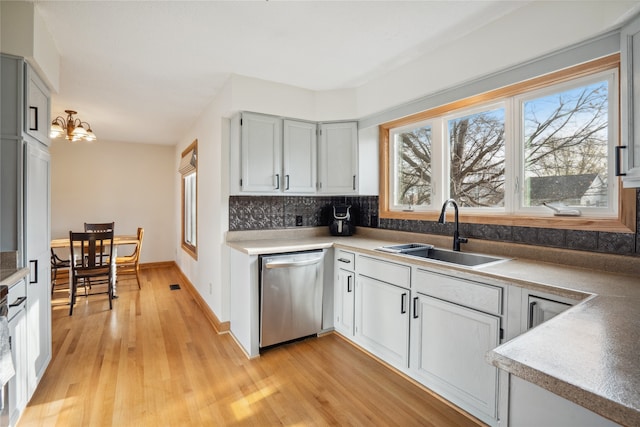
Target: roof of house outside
{"x": 557, "y": 188}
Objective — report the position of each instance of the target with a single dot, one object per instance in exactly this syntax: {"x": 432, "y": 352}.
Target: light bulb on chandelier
{"x": 73, "y": 129}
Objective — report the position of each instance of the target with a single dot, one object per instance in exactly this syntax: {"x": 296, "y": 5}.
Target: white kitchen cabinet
{"x": 37, "y": 237}
{"x": 533, "y": 406}
{"x": 36, "y": 114}
{"x": 338, "y": 158}
{"x": 299, "y": 156}
{"x": 630, "y": 103}
{"x": 382, "y": 320}
{"x": 344, "y": 293}
{"x": 454, "y": 323}
{"x": 448, "y": 345}
{"x": 541, "y": 309}
{"x": 261, "y": 153}
{"x": 18, "y": 394}
{"x": 278, "y": 156}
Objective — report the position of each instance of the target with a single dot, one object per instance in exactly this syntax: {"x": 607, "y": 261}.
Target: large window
{"x": 189, "y": 171}
{"x": 514, "y": 156}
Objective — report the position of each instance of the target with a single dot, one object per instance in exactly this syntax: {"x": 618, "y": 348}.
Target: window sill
{"x": 191, "y": 250}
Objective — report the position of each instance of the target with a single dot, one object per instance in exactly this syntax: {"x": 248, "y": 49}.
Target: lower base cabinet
{"x": 533, "y": 406}
{"x": 18, "y": 392}
{"x": 448, "y": 344}
{"x": 344, "y": 302}
{"x": 382, "y": 320}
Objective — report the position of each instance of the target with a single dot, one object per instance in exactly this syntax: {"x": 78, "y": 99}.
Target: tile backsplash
{"x": 273, "y": 212}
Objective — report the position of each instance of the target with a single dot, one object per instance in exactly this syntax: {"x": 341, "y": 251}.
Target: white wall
{"x": 536, "y": 29}
{"x": 131, "y": 184}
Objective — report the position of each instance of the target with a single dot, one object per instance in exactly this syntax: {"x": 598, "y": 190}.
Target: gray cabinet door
{"x": 630, "y": 100}
{"x": 38, "y": 239}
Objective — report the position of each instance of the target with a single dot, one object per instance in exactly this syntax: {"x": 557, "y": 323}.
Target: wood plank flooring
{"x": 155, "y": 361}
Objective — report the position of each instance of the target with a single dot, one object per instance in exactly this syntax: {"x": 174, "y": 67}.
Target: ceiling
{"x": 144, "y": 71}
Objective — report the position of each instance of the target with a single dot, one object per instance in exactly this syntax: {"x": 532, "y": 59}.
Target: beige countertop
{"x": 9, "y": 276}
{"x": 590, "y": 354}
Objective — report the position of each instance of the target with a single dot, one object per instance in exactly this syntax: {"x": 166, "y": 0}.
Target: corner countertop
{"x": 588, "y": 354}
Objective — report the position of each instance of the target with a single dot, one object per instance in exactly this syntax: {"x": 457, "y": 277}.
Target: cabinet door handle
{"x": 349, "y": 288}
{"x": 286, "y": 178}
{"x": 18, "y": 302}
{"x": 415, "y": 307}
{"x": 532, "y": 307}
{"x": 618, "y": 170}
{"x": 277, "y": 181}
{"x": 403, "y": 303}
{"x": 34, "y": 118}
{"x": 35, "y": 269}
{"x": 345, "y": 260}
{"x": 354, "y": 182}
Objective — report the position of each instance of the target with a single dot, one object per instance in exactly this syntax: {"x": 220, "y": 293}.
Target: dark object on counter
{"x": 341, "y": 225}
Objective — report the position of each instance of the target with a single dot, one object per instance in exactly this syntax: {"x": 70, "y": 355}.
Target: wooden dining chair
{"x": 92, "y": 264}
{"x": 129, "y": 264}
{"x": 57, "y": 264}
{"x": 99, "y": 226}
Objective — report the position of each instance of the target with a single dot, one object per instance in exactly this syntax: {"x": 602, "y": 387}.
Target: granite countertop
{"x": 588, "y": 354}
{"x": 9, "y": 276}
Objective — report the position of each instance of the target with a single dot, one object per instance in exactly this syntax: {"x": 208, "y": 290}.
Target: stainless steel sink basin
{"x": 426, "y": 251}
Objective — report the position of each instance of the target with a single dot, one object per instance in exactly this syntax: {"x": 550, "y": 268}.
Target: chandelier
{"x": 72, "y": 128}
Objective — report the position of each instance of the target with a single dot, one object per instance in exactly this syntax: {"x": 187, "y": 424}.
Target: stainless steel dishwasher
{"x": 291, "y": 288}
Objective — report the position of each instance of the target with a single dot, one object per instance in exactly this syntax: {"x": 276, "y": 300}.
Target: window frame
{"x": 624, "y": 221}
{"x": 189, "y": 247}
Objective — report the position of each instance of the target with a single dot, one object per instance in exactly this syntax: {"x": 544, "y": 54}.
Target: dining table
{"x": 118, "y": 240}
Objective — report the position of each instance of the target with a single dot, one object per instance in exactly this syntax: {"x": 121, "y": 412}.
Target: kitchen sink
{"x": 426, "y": 251}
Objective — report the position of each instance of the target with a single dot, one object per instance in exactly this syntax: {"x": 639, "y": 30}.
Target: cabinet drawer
{"x": 346, "y": 260}
{"x": 476, "y": 295}
{"x": 385, "y": 271}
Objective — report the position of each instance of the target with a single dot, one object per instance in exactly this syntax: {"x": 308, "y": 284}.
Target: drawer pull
{"x": 345, "y": 260}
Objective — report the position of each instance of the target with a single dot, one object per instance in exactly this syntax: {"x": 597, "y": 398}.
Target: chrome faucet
{"x": 456, "y": 233}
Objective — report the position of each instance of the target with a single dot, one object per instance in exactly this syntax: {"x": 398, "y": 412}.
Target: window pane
{"x": 565, "y": 138}
{"x": 477, "y": 155}
{"x": 190, "y": 209}
{"x": 412, "y": 178}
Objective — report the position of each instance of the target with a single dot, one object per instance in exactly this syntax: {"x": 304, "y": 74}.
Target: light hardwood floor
{"x": 155, "y": 361}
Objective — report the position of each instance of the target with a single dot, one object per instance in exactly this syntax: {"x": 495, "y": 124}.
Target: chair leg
{"x": 54, "y": 274}
{"x": 138, "y": 277}
{"x": 72, "y": 297}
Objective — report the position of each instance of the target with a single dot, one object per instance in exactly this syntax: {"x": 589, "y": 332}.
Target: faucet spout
{"x": 456, "y": 233}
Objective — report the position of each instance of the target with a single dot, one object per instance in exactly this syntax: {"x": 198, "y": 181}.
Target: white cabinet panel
{"x": 533, "y": 406}
{"x": 344, "y": 302}
{"x": 382, "y": 320}
{"x": 18, "y": 384}
{"x": 37, "y": 236}
{"x": 261, "y": 153}
{"x": 338, "y": 158}
{"x": 385, "y": 271}
{"x": 299, "y": 156}
{"x": 448, "y": 345}
{"x": 476, "y": 295}
{"x": 630, "y": 100}
{"x": 37, "y": 109}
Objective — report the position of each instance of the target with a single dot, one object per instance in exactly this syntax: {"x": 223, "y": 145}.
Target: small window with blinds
{"x": 189, "y": 171}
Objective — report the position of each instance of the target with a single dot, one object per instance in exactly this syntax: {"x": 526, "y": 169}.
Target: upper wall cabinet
{"x": 299, "y": 156}
{"x": 338, "y": 160}
{"x": 261, "y": 153}
{"x": 37, "y": 117}
{"x": 630, "y": 102}
{"x": 285, "y": 156}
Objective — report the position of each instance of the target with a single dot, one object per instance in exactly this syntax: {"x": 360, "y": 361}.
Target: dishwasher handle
{"x": 287, "y": 264}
